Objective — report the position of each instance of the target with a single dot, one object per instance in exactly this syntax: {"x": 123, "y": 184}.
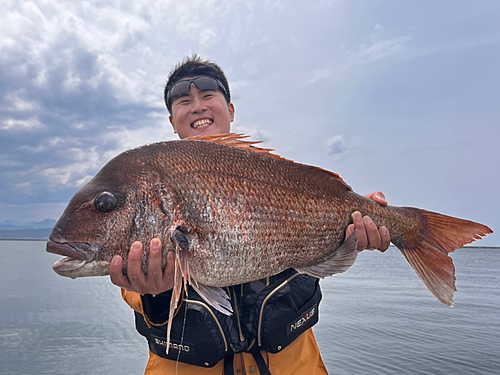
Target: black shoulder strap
{"x": 261, "y": 364}
{"x": 228, "y": 365}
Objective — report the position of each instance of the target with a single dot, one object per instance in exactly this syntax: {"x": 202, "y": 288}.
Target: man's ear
{"x": 231, "y": 111}
{"x": 171, "y": 119}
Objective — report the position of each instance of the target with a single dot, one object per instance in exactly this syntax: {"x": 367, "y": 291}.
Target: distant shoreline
{"x": 24, "y": 239}
{"x": 45, "y": 239}
{"x": 25, "y": 234}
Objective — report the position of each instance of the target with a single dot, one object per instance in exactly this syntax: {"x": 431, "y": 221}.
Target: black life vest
{"x": 268, "y": 314}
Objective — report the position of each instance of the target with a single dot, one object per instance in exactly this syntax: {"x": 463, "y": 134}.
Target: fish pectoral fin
{"x": 183, "y": 273}
{"x": 182, "y": 267}
{"x": 215, "y": 297}
{"x": 180, "y": 240}
{"x": 339, "y": 261}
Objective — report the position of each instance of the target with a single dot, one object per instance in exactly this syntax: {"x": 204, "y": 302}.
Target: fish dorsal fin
{"x": 235, "y": 140}
{"x": 238, "y": 140}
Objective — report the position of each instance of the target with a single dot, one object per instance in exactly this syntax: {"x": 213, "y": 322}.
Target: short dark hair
{"x": 192, "y": 66}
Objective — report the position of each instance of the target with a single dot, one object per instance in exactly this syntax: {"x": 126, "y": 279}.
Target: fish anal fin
{"x": 428, "y": 253}
{"x": 339, "y": 261}
{"x": 237, "y": 140}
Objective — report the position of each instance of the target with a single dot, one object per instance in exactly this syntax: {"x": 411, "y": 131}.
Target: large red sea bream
{"x": 234, "y": 213}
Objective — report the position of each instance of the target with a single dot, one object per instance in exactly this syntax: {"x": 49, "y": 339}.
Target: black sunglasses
{"x": 203, "y": 83}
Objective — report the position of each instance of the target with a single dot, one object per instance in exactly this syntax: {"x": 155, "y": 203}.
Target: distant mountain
{"x": 11, "y": 224}
{"x": 40, "y": 230}
{"x": 25, "y": 234}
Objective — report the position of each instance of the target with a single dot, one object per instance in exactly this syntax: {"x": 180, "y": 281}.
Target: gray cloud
{"x": 83, "y": 81}
{"x": 335, "y": 145}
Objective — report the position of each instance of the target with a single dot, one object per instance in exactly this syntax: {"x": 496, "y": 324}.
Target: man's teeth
{"x": 200, "y": 123}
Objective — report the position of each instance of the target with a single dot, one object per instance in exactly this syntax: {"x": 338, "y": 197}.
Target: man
{"x": 252, "y": 340}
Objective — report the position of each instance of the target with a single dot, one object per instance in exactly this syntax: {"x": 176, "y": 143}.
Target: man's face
{"x": 201, "y": 113}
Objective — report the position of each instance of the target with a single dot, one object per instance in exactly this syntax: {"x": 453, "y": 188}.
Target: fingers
{"x": 156, "y": 281}
{"x": 134, "y": 269}
{"x": 362, "y": 236}
{"x": 369, "y": 236}
{"x": 159, "y": 280}
{"x": 372, "y": 234}
{"x": 169, "y": 272}
{"x": 116, "y": 274}
{"x": 378, "y": 197}
{"x": 386, "y": 239}
{"x": 349, "y": 231}
{"x": 155, "y": 272}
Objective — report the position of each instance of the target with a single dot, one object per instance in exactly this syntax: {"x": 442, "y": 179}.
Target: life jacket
{"x": 268, "y": 314}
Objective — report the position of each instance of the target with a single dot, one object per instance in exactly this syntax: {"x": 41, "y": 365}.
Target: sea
{"x": 377, "y": 318}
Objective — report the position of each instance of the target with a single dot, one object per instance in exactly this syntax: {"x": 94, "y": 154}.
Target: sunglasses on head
{"x": 181, "y": 88}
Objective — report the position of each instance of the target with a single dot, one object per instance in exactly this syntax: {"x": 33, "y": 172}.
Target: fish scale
{"x": 268, "y": 223}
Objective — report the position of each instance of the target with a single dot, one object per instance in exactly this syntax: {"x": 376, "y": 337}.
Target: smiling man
{"x": 270, "y": 329}
{"x": 202, "y": 105}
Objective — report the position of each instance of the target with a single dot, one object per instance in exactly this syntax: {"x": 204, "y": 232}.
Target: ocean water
{"x": 377, "y": 318}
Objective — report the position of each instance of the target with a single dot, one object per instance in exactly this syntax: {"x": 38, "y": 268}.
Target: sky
{"x": 401, "y": 97}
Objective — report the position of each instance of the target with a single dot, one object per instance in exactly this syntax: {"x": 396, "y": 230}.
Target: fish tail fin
{"x": 427, "y": 251}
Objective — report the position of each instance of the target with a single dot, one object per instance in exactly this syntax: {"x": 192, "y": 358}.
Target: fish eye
{"x": 105, "y": 202}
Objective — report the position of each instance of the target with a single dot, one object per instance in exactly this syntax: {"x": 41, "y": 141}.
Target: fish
{"x": 233, "y": 213}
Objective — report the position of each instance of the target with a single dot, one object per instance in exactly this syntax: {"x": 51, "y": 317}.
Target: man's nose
{"x": 198, "y": 106}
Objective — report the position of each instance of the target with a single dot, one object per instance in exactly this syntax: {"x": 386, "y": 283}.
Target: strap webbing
{"x": 228, "y": 365}
{"x": 261, "y": 364}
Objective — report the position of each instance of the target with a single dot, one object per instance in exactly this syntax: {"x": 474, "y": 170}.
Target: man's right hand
{"x": 155, "y": 282}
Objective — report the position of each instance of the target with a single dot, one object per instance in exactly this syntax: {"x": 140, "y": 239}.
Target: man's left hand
{"x": 369, "y": 236}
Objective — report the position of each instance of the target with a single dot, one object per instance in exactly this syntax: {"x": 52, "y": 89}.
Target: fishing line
{"x": 182, "y": 333}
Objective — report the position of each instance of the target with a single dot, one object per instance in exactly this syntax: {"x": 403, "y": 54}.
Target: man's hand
{"x": 155, "y": 282}
{"x": 369, "y": 236}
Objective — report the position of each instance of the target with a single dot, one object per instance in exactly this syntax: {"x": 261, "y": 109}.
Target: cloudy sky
{"x": 394, "y": 97}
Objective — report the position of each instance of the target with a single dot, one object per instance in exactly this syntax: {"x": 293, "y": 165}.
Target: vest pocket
{"x": 203, "y": 341}
{"x": 287, "y": 312}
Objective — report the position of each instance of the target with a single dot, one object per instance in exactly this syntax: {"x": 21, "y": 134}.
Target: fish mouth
{"x": 77, "y": 254}
{"x": 201, "y": 123}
